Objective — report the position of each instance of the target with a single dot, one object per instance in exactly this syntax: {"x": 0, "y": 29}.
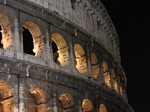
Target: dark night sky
{"x": 131, "y": 19}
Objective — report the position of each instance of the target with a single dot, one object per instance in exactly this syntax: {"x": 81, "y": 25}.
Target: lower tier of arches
{"x": 24, "y": 90}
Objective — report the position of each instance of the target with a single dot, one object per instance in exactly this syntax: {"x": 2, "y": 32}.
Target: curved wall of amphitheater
{"x": 59, "y": 56}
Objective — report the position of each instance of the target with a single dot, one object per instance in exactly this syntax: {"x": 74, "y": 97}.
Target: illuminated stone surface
{"x": 75, "y": 61}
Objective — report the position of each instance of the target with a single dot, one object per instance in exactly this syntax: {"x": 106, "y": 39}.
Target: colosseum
{"x": 59, "y": 56}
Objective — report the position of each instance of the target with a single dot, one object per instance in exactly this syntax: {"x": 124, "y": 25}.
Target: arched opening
{"x": 1, "y": 44}
{"x": 94, "y": 66}
{"x": 32, "y": 39}
{"x": 37, "y": 101}
{"x": 102, "y": 108}
{"x": 87, "y": 106}
{"x": 114, "y": 80}
{"x": 28, "y": 45}
{"x": 60, "y": 50}
{"x": 5, "y": 32}
{"x": 55, "y": 53}
{"x": 121, "y": 91}
{"x": 6, "y": 98}
{"x": 81, "y": 64}
{"x": 106, "y": 73}
{"x": 66, "y": 103}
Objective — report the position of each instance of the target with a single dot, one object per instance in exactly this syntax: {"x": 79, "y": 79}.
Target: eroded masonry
{"x": 59, "y": 56}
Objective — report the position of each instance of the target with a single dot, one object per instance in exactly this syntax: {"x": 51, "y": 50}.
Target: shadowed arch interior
{"x": 5, "y": 31}
{"x": 28, "y": 45}
{"x": 114, "y": 80}
{"x": 37, "y": 100}
{"x": 66, "y": 103}
{"x": 31, "y": 29}
{"x": 1, "y": 44}
{"x": 55, "y": 53}
{"x": 81, "y": 64}
{"x": 95, "y": 66}
{"x": 6, "y": 97}
{"x": 60, "y": 50}
{"x": 87, "y": 105}
{"x": 102, "y": 108}
{"x": 121, "y": 90}
{"x": 106, "y": 73}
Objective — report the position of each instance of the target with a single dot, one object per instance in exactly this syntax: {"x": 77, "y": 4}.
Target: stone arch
{"x": 36, "y": 36}
{"x": 115, "y": 83}
{"x": 6, "y": 97}
{"x": 106, "y": 72}
{"x": 5, "y": 31}
{"x": 60, "y": 50}
{"x": 102, "y": 108}
{"x": 94, "y": 66}
{"x": 121, "y": 91}
{"x": 80, "y": 58}
{"x": 37, "y": 100}
{"x": 66, "y": 103}
{"x": 87, "y": 106}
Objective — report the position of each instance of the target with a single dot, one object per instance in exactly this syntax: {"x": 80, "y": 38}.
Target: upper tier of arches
{"x": 88, "y": 15}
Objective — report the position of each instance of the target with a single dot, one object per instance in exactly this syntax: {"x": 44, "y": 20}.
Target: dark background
{"x": 131, "y": 19}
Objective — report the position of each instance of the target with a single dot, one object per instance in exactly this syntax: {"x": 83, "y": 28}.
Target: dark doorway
{"x": 1, "y": 45}
{"x": 27, "y": 42}
{"x": 55, "y": 53}
{"x": 54, "y": 47}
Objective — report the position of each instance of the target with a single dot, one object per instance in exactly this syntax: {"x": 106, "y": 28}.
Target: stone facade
{"x": 73, "y": 64}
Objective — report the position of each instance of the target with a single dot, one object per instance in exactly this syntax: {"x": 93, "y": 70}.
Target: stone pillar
{"x": 48, "y": 49}
{"x": 55, "y": 106}
{"x": 102, "y": 73}
{"x": 125, "y": 95}
{"x": 72, "y": 63}
{"x": 111, "y": 79}
{"x": 79, "y": 103}
{"x": 22, "y": 96}
{"x": 89, "y": 72}
{"x": 16, "y": 35}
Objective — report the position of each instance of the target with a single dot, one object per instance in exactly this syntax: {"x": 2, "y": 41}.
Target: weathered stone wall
{"x": 91, "y": 16}
{"x": 54, "y": 83}
{"x": 24, "y": 71}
